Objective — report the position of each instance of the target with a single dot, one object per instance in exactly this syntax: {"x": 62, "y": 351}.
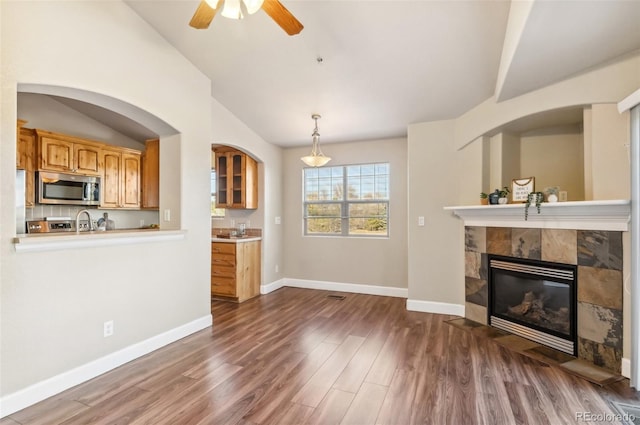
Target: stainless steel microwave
{"x": 67, "y": 189}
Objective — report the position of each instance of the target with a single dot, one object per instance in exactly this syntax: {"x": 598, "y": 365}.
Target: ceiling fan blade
{"x": 282, "y": 16}
{"x": 204, "y": 15}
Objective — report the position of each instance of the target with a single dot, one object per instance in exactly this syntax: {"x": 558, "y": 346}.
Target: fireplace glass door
{"x": 534, "y": 299}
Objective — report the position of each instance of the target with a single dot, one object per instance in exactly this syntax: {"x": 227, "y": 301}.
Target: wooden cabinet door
{"x": 86, "y": 159}
{"x": 111, "y": 175}
{"x": 26, "y": 160}
{"x": 56, "y": 155}
{"x": 237, "y": 180}
{"x": 120, "y": 179}
{"x": 130, "y": 183}
{"x": 151, "y": 175}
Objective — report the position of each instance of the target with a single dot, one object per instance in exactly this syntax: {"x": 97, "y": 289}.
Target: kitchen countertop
{"x": 66, "y": 240}
{"x": 236, "y": 239}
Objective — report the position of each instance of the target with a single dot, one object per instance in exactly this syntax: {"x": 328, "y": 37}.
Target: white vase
{"x": 502, "y": 201}
{"x": 552, "y": 198}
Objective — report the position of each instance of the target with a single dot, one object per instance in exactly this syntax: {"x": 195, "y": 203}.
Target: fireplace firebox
{"x": 534, "y": 299}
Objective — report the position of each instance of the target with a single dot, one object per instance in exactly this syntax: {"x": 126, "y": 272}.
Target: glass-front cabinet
{"x": 237, "y": 179}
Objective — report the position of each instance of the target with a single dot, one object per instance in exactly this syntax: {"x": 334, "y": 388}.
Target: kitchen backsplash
{"x": 227, "y": 230}
{"x": 124, "y": 219}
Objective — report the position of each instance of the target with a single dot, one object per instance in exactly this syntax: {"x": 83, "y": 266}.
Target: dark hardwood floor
{"x": 296, "y": 356}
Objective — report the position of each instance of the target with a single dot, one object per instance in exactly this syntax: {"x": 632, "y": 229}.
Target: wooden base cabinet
{"x": 235, "y": 270}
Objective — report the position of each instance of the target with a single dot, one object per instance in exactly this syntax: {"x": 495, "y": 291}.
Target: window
{"x": 215, "y": 212}
{"x": 351, "y": 200}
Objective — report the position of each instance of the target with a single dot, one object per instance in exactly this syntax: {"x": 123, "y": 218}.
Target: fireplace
{"x": 534, "y": 299}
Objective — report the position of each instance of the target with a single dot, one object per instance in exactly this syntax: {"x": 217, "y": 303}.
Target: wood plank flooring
{"x": 296, "y": 356}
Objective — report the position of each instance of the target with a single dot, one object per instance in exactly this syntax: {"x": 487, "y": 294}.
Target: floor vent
{"x": 336, "y": 297}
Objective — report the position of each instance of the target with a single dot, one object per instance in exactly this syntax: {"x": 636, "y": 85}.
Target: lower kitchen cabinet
{"x": 235, "y": 270}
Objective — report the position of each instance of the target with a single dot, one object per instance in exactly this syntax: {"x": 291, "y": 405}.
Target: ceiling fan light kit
{"x": 316, "y": 158}
{"x": 235, "y": 9}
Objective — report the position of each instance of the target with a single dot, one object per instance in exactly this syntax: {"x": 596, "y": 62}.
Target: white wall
{"x": 53, "y": 304}
{"x": 366, "y": 261}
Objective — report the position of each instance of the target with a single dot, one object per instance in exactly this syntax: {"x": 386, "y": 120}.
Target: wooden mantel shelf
{"x": 581, "y": 215}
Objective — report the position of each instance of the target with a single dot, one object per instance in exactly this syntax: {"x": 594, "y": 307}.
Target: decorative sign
{"x": 520, "y": 189}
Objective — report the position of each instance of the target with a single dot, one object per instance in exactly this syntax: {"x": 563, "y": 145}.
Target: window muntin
{"x": 350, "y": 200}
{"x": 215, "y": 212}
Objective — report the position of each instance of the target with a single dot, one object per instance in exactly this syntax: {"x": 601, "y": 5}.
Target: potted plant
{"x": 484, "y": 198}
{"x": 504, "y": 195}
{"x": 494, "y": 197}
{"x": 535, "y": 197}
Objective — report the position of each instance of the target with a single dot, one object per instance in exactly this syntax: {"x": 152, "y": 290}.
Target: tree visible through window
{"x": 351, "y": 200}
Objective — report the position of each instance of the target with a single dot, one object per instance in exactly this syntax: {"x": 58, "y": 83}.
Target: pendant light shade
{"x": 316, "y": 158}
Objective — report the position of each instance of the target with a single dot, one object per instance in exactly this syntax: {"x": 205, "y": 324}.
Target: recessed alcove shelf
{"x": 581, "y": 215}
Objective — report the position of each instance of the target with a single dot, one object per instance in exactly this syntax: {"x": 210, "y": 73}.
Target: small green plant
{"x": 535, "y": 197}
{"x": 504, "y": 192}
{"x": 483, "y": 195}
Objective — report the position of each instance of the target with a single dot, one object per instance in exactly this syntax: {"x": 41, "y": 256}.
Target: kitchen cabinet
{"x": 26, "y": 160}
{"x": 236, "y": 179}
{"x": 151, "y": 174}
{"x": 235, "y": 270}
{"x": 120, "y": 178}
{"x": 67, "y": 154}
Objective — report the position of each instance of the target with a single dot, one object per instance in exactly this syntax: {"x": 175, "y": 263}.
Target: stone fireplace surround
{"x": 598, "y": 255}
{"x": 588, "y": 234}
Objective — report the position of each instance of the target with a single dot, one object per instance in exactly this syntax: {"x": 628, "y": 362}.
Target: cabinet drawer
{"x": 223, "y": 286}
{"x": 223, "y": 271}
{"x": 223, "y": 248}
{"x": 223, "y": 260}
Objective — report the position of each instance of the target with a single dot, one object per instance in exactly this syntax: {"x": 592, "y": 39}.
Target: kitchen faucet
{"x": 88, "y": 217}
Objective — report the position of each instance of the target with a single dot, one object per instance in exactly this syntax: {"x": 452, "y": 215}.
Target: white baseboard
{"x": 270, "y": 287}
{"x": 11, "y": 403}
{"x": 435, "y": 307}
{"x": 356, "y": 288}
{"x": 626, "y": 368}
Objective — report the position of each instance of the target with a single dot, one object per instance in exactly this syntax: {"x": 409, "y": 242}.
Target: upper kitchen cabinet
{"x": 120, "y": 178}
{"x": 26, "y": 159}
{"x": 236, "y": 178}
{"x": 151, "y": 174}
{"x": 67, "y": 154}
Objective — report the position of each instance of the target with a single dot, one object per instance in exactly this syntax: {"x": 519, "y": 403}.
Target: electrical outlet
{"x": 421, "y": 221}
{"x": 278, "y": 220}
{"x": 141, "y": 223}
{"x": 277, "y": 268}
{"x": 167, "y": 215}
{"x": 108, "y": 328}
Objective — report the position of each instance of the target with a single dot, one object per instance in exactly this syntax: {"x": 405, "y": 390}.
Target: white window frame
{"x": 345, "y": 203}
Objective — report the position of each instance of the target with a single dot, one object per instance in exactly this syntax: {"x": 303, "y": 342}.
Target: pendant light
{"x": 316, "y": 158}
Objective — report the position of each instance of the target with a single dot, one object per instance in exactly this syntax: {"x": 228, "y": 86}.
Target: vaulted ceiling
{"x": 371, "y": 68}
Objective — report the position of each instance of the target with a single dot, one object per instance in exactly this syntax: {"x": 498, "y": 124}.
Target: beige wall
{"x": 504, "y": 160}
{"x": 436, "y": 169}
{"x": 369, "y": 261}
{"x": 610, "y": 138}
{"x": 554, "y": 157}
{"x": 229, "y": 130}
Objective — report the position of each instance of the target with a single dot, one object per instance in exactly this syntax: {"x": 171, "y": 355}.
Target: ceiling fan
{"x": 234, "y": 9}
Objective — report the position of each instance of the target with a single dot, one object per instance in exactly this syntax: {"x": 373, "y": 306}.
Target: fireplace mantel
{"x": 580, "y": 215}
